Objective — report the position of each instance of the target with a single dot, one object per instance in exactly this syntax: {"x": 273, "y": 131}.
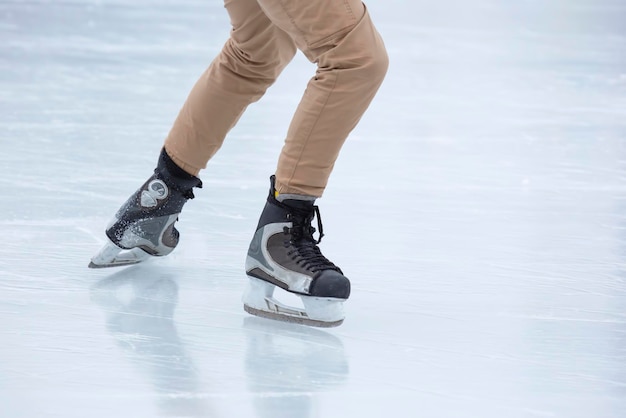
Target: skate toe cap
{"x": 332, "y": 284}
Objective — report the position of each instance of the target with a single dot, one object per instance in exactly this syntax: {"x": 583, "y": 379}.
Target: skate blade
{"x": 258, "y": 300}
{"x": 110, "y": 255}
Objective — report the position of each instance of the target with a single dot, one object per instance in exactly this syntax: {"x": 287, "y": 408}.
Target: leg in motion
{"x": 340, "y": 37}
{"x": 251, "y": 60}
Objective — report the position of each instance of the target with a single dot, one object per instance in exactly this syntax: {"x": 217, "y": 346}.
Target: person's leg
{"x": 250, "y": 61}
{"x": 351, "y": 63}
{"x": 351, "y": 59}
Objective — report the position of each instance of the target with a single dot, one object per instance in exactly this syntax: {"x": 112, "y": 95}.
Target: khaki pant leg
{"x": 250, "y": 61}
{"x": 351, "y": 60}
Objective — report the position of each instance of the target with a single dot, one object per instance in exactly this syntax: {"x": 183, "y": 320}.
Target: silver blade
{"x": 318, "y": 312}
{"x": 110, "y": 255}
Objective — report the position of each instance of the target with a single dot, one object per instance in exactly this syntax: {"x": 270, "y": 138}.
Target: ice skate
{"x": 284, "y": 254}
{"x": 144, "y": 225}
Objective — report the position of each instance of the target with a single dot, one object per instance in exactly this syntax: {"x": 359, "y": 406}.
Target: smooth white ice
{"x": 479, "y": 210}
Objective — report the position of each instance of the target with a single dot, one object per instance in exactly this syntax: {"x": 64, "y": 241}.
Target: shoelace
{"x": 305, "y": 251}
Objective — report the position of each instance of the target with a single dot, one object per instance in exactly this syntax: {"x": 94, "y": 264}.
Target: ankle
{"x": 174, "y": 175}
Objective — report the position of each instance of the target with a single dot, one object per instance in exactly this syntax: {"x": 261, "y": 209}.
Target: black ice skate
{"x": 284, "y": 253}
{"x": 144, "y": 225}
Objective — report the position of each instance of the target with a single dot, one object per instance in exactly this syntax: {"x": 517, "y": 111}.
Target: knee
{"x": 376, "y": 61}
{"x": 361, "y": 51}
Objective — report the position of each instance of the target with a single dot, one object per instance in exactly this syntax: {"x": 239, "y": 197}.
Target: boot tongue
{"x": 175, "y": 176}
{"x": 302, "y": 211}
{"x": 302, "y": 214}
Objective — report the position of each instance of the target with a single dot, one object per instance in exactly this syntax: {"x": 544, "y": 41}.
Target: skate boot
{"x": 144, "y": 225}
{"x": 284, "y": 253}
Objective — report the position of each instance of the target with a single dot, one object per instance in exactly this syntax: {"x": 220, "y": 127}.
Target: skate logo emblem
{"x": 157, "y": 190}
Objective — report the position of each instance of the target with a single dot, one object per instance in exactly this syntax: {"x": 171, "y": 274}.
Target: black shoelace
{"x": 305, "y": 251}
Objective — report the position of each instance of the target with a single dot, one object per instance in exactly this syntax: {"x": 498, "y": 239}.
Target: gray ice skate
{"x": 144, "y": 225}
{"x": 284, "y": 253}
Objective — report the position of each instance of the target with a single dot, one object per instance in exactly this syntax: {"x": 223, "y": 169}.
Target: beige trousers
{"x": 337, "y": 35}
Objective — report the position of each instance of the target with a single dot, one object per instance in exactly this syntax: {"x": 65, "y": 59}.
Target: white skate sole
{"x": 110, "y": 255}
{"x": 258, "y": 300}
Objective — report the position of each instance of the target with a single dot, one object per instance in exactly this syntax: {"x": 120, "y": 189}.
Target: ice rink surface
{"x": 479, "y": 210}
